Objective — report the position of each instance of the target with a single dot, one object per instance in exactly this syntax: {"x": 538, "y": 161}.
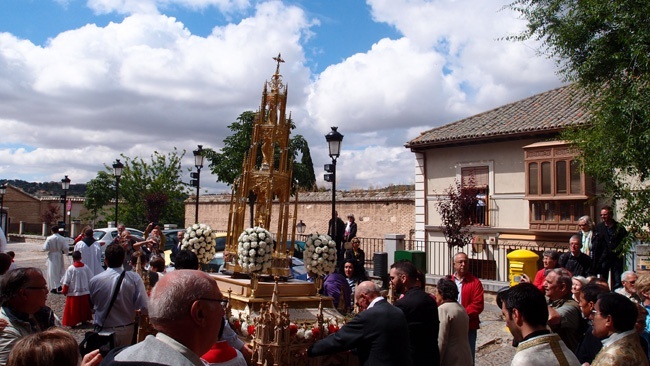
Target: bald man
{"x": 187, "y": 309}
{"x": 379, "y": 332}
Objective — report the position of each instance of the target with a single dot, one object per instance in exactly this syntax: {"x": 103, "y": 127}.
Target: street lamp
{"x": 117, "y": 172}
{"x": 3, "y": 190}
{"x": 65, "y": 185}
{"x": 334, "y": 139}
{"x": 196, "y": 181}
{"x": 301, "y": 227}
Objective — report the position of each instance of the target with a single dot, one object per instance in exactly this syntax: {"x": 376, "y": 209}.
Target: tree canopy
{"x": 153, "y": 191}
{"x": 604, "y": 46}
{"x": 227, "y": 164}
{"x": 99, "y": 193}
{"x": 149, "y": 191}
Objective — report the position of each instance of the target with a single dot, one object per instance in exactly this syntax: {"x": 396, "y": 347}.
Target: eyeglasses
{"x": 631, "y": 282}
{"x": 223, "y": 302}
{"x": 594, "y": 312}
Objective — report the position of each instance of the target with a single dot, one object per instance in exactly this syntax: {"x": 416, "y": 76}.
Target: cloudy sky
{"x": 83, "y": 81}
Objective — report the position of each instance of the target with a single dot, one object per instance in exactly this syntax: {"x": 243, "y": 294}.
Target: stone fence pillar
{"x": 392, "y": 243}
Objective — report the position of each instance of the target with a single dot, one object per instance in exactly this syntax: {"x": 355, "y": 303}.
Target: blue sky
{"x": 82, "y": 82}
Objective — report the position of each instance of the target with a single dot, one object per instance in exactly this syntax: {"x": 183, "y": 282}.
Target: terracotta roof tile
{"x": 542, "y": 113}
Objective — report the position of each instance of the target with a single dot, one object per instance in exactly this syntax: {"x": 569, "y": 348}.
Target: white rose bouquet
{"x": 320, "y": 254}
{"x": 199, "y": 238}
{"x": 255, "y": 250}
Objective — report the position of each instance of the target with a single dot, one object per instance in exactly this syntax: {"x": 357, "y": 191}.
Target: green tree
{"x": 604, "y": 46}
{"x": 153, "y": 191}
{"x": 99, "y": 193}
{"x": 227, "y": 164}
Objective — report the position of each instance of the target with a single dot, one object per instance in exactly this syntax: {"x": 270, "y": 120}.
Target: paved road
{"x": 493, "y": 343}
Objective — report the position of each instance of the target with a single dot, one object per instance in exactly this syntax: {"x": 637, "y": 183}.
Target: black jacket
{"x": 421, "y": 313}
{"x": 379, "y": 334}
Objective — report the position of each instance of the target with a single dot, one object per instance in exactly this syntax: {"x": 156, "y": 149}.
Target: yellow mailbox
{"x": 522, "y": 261}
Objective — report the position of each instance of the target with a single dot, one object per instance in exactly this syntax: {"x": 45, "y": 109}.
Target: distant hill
{"x": 48, "y": 188}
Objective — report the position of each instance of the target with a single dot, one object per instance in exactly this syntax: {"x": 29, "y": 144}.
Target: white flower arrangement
{"x": 255, "y": 250}
{"x": 199, "y": 238}
{"x": 320, "y": 254}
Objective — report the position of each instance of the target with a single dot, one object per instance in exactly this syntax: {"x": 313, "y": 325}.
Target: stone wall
{"x": 376, "y": 213}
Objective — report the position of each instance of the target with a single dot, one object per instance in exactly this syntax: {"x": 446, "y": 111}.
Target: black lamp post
{"x": 65, "y": 185}
{"x": 118, "y": 167}
{"x": 334, "y": 139}
{"x": 198, "y": 163}
{"x": 3, "y": 190}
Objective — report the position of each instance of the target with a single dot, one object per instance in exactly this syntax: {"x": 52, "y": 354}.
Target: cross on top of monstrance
{"x": 265, "y": 183}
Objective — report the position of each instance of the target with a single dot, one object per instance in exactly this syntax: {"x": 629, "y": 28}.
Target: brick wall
{"x": 376, "y": 213}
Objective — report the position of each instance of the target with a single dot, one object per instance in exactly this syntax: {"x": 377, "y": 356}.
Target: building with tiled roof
{"x": 543, "y": 114}
{"x": 529, "y": 183}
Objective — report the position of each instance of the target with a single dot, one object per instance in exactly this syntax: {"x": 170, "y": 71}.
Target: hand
{"x": 524, "y": 278}
{"x": 92, "y": 359}
{"x": 3, "y": 324}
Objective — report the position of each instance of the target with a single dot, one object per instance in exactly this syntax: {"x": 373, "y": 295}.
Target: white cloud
{"x": 147, "y": 83}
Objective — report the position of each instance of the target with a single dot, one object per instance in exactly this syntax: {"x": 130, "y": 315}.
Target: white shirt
{"x": 615, "y": 337}
{"x": 374, "y": 301}
{"x": 132, "y": 296}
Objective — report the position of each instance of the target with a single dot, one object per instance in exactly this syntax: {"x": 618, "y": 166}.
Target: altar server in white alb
{"x": 91, "y": 252}
{"x": 76, "y": 287}
{"x": 55, "y": 245}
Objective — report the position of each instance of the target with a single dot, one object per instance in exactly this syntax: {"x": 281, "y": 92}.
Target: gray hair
{"x": 587, "y": 221}
{"x": 625, "y": 274}
{"x": 575, "y": 236}
{"x": 563, "y": 277}
{"x": 174, "y": 300}
{"x": 553, "y": 254}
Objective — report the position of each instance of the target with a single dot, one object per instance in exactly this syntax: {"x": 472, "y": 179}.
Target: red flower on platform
{"x": 251, "y": 330}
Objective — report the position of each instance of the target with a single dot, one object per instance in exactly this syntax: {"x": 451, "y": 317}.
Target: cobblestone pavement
{"x": 493, "y": 343}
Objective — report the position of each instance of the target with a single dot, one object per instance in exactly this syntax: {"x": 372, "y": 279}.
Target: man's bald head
{"x": 364, "y": 294}
{"x": 175, "y": 292}
{"x": 186, "y": 306}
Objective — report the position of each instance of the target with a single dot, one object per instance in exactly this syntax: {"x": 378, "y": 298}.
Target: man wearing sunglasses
{"x": 628, "y": 279}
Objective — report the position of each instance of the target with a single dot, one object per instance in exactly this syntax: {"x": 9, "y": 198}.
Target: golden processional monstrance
{"x": 272, "y": 307}
{"x": 267, "y": 175}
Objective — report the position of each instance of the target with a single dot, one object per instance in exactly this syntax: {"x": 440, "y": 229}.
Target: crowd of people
{"x": 571, "y": 303}
{"x": 580, "y": 308}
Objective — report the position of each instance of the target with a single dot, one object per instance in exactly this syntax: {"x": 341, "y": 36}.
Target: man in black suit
{"x": 421, "y": 313}
{"x": 379, "y": 332}
{"x": 607, "y": 248}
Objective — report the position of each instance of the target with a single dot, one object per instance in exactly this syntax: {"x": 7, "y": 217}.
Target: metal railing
{"x": 486, "y": 261}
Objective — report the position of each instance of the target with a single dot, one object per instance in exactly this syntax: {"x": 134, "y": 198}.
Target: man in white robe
{"x": 91, "y": 252}
{"x": 55, "y": 245}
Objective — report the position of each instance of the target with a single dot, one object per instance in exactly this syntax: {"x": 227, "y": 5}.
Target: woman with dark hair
{"x": 358, "y": 255}
{"x": 351, "y": 277}
{"x": 453, "y": 341}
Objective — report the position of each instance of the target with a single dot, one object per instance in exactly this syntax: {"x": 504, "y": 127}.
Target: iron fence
{"x": 486, "y": 261}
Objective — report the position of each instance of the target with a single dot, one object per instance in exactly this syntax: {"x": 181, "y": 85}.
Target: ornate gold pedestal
{"x": 300, "y": 297}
